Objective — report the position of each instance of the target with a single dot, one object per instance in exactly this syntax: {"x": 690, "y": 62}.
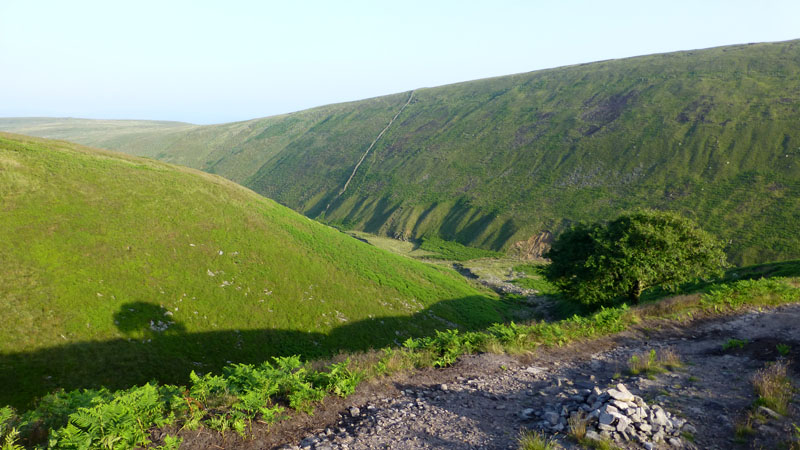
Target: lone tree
{"x": 598, "y": 263}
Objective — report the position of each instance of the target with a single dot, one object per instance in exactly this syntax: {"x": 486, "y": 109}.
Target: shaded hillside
{"x": 117, "y": 269}
{"x": 710, "y": 133}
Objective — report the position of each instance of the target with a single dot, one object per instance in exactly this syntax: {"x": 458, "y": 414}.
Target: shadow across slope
{"x": 169, "y": 355}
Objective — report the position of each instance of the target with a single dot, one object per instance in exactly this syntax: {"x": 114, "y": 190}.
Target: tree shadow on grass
{"x": 169, "y": 356}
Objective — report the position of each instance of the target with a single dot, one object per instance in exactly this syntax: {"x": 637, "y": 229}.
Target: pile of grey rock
{"x": 159, "y": 325}
{"x": 613, "y": 414}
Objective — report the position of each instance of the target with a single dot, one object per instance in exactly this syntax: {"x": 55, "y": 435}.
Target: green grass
{"x": 788, "y": 269}
{"x": 397, "y": 246}
{"x": 652, "y": 363}
{"x": 483, "y": 264}
{"x": 774, "y": 390}
{"x": 709, "y": 133}
{"x": 534, "y": 279}
{"x": 734, "y": 344}
{"x": 453, "y": 251}
{"x": 605, "y": 444}
{"x": 230, "y": 401}
{"x": 774, "y": 387}
{"x": 533, "y": 440}
{"x": 743, "y": 430}
{"x": 96, "y": 245}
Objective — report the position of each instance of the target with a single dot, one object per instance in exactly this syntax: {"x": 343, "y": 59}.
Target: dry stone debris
{"x": 613, "y": 414}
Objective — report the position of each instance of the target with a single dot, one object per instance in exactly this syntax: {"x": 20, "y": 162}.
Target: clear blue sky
{"x": 210, "y": 62}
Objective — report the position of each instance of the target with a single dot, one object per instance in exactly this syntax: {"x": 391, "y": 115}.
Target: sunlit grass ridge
{"x": 132, "y": 269}
{"x": 711, "y": 134}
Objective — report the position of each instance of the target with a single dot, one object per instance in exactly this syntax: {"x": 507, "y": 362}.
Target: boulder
{"x": 606, "y": 418}
{"x": 768, "y": 412}
{"x": 660, "y": 419}
{"x": 593, "y": 436}
{"x": 621, "y": 393}
{"x": 622, "y": 423}
{"x": 619, "y": 405}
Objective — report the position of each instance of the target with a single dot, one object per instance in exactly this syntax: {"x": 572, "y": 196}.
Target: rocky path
{"x": 485, "y": 400}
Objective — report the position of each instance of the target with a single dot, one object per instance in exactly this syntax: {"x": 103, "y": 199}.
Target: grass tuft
{"x": 604, "y": 444}
{"x": 774, "y": 388}
{"x": 743, "y": 429}
{"x": 654, "y": 362}
{"x": 670, "y": 359}
{"x": 577, "y": 426}
{"x": 534, "y": 440}
{"x": 794, "y": 438}
{"x": 734, "y": 344}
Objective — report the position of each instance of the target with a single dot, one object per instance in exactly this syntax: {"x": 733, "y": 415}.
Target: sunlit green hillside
{"x": 710, "y": 133}
{"x": 116, "y": 269}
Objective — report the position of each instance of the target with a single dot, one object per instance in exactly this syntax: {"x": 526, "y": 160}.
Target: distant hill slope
{"x": 711, "y": 133}
{"x": 117, "y": 269}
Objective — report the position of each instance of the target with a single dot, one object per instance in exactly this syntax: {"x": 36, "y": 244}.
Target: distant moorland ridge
{"x": 502, "y": 163}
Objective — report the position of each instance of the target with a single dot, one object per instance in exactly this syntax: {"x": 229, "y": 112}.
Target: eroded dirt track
{"x": 479, "y": 403}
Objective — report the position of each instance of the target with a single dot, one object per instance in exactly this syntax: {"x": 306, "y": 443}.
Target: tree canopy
{"x": 598, "y": 263}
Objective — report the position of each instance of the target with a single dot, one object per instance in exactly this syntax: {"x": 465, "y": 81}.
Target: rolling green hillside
{"x": 710, "y": 133}
{"x": 117, "y": 269}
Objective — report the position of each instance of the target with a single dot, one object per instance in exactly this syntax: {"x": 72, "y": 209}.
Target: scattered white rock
{"x": 621, "y": 393}
{"x": 593, "y": 436}
{"x": 615, "y": 414}
{"x": 159, "y": 326}
{"x": 534, "y": 370}
{"x": 768, "y": 412}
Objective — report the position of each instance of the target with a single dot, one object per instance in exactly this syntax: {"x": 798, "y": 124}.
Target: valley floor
{"x": 481, "y": 402}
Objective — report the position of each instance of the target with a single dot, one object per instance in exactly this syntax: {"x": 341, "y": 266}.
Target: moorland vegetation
{"x": 140, "y": 296}
{"x": 118, "y": 270}
{"x": 710, "y": 134}
{"x": 598, "y": 263}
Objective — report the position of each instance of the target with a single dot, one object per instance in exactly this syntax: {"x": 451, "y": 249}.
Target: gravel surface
{"x": 484, "y": 401}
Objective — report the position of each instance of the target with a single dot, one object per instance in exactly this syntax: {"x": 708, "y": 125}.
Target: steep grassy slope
{"x": 710, "y": 133}
{"x": 116, "y": 269}
{"x": 234, "y": 150}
